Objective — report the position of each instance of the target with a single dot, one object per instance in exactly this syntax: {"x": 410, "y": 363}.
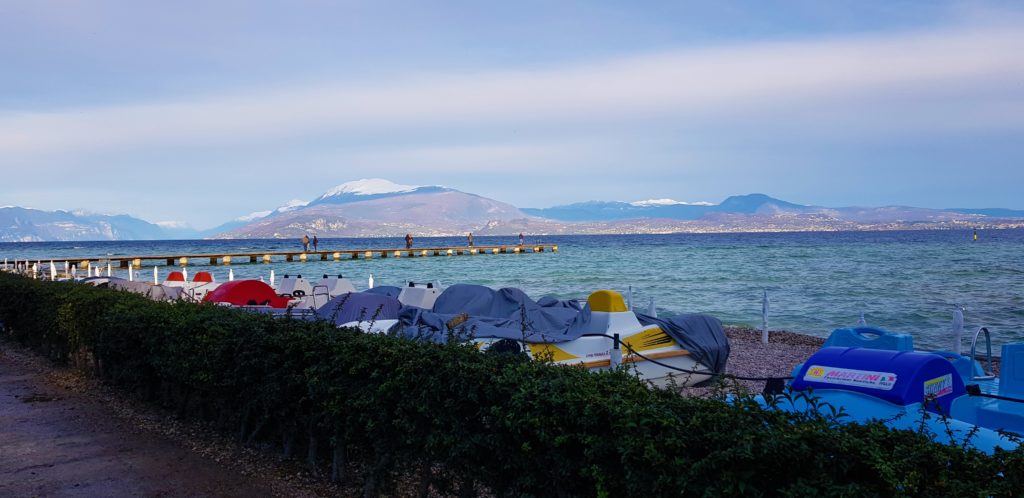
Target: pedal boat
{"x": 874, "y": 374}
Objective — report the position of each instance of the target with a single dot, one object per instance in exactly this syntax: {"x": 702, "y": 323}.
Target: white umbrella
{"x": 53, "y": 271}
{"x": 371, "y": 280}
{"x": 130, "y": 279}
{"x": 958, "y": 328}
{"x": 184, "y": 273}
{"x": 74, "y": 271}
{"x": 764, "y": 317}
{"x": 271, "y": 278}
{"x": 156, "y": 276}
{"x": 108, "y": 269}
{"x": 231, "y": 274}
{"x": 35, "y": 268}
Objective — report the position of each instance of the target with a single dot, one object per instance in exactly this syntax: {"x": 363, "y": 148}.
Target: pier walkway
{"x": 326, "y": 255}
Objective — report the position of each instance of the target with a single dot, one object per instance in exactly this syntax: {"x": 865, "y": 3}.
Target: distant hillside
{"x": 991, "y": 212}
{"x": 33, "y": 225}
{"x": 380, "y": 208}
{"x": 666, "y": 208}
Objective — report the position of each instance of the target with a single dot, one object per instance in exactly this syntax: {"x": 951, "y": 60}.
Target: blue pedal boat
{"x": 874, "y": 374}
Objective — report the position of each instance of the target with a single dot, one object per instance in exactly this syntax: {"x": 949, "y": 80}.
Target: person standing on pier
{"x": 520, "y": 239}
{"x": 305, "y": 243}
{"x": 316, "y": 242}
{"x": 470, "y": 238}
{"x": 408, "y": 241}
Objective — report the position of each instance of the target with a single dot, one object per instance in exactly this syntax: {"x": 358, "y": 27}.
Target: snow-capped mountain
{"x": 34, "y": 225}
{"x": 666, "y": 208}
{"x": 372, "y": 188}
{"x": 368, "y": 186}
{"x": 668, "y": 202}
{"x": 378, "y": 207}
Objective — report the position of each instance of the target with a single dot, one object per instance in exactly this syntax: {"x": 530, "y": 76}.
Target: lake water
{"x": 907, "y": 281}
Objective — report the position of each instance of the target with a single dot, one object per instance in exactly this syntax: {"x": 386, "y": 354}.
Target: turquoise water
{"x": 904, "y": 281}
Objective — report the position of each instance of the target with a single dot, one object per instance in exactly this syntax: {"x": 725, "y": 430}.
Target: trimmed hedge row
{"x": 451, "y": 419}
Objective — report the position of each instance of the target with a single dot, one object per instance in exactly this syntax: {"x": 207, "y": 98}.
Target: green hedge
{"x": 450, "y": 418}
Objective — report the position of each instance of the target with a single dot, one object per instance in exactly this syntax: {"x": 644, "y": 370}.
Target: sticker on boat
{"x": 849, "y": 377}
{"x": 939, "y": 386}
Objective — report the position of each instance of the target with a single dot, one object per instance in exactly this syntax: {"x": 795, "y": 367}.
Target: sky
{"x": 201, "y": 112}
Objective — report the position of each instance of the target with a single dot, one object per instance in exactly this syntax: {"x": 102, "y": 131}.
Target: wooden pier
{"x": 300, "y": 256}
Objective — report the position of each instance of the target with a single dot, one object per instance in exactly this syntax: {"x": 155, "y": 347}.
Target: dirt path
{"x": 57, "y": 442}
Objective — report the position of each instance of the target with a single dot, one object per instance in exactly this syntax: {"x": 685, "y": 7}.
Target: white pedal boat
{"x": 647, "y": 350}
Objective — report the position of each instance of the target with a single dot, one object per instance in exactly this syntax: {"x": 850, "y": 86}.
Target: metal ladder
{"x": 986, "y": 373}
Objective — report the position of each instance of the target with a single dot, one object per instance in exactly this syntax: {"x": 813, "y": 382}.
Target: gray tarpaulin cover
{"x": 154, "y": 292}
{"x": 502, "y": 314}
{"x": 359, "y": 307}
{"x": 700, "y": 334}
{"x": 385, "y": 290}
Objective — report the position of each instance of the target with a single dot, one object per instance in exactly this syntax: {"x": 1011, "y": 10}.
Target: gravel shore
{"x": 748, "y": 357}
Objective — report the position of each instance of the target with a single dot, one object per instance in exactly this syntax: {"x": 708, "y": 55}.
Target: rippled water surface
{"x": 903, "y": 281}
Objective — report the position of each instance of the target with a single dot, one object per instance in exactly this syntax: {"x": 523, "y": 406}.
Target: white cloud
{"x": 523, "y": 156}
{"x": 972, "y": 70}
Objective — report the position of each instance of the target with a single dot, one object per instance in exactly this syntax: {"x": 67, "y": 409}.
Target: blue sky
{"x": 204, "y": 111}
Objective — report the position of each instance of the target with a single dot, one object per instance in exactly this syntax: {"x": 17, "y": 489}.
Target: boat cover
{"x": 702, "y": 335}
{"x": 246, "y": 293}
{"x": 385, "y": 290}
{"x": 154, "y": 292}
{"x": 359, "y": 307}
{"x": 506, "y": 313}
{"x": 502, "y": 314}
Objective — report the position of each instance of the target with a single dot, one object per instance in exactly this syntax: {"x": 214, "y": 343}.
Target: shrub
{"x": 460, "y": 421}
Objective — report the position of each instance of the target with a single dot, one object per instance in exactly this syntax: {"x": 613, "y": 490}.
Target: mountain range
{"x": 377, "y": 207}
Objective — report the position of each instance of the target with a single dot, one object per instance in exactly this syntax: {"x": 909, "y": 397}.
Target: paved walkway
{"x": 55, "y": 442}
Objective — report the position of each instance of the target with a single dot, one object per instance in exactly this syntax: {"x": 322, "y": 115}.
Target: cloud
{"x": 973, "y": 70}
{"x": 523, "y": 156}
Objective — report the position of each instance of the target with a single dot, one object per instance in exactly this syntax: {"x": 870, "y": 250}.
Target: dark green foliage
{"x": 456, "y": 420}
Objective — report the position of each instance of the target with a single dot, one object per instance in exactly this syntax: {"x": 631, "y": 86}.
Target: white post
{"x": 958, "y": 328}
{"x": 764, "y": 318}
{"x": 371, "y": 280}
{"x": 130, "y": 278}
{"x": 53, "y": 271}
{"x": 156, "y": 276}
{"x": 108, "y": 269}
{"x": 615, "y": 355}
{"x": 74, "y": 272}
{"x": 184, "y": 274}
{"x": 35, "y": 268}
{"x": 231, "y": 274}
{"x": 271, "y": 278}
